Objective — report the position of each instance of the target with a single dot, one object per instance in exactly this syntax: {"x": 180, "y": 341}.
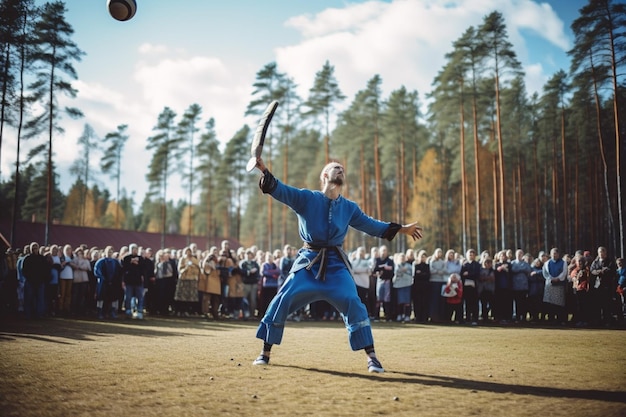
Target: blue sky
{"x": 176, "y": 53}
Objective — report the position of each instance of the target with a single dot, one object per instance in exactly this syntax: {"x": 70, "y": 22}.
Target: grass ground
{"x": 193, "y": 367}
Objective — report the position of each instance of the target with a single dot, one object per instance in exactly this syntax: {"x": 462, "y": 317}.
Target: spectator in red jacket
{"x": 453, "y": 292}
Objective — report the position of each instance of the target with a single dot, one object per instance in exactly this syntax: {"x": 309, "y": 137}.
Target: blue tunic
{"x": 322, "y": 222}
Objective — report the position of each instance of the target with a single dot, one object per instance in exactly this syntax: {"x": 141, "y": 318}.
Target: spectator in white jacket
{"x": 361, "y": 274}
{"x": 555, "y": 274}
{"x": 402, "y": 283}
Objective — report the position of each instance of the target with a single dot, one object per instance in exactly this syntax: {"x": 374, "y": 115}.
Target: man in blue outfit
{"x": 321, "y": 270}
{"x": 108, "y": 273}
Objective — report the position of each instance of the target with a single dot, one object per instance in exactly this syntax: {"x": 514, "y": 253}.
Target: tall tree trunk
{"x": 286, "y": 179}
{"x": 618, "y": 147}
{"x": 565, "y": 201}
{"x": 545, "y": 234}
{"x": 500, "y": 159}
{"x": 209, "y": 213}
{"x": 227, "y": 209}
{"x": 164, "y": 202}
{"x": 364, "y": 194}
{"x": 463, "y": 176}
{"x": 555, "y": 193}
{"x": 190, "y": 191}
{"x": 379, "y": 206}
{"x": 514, "y": 204}
{"x": 476, "y": 172}
{"x": 494, "y": 173}
{"x": 238, "y": 226}
{"x": 326, "y": 150}
{"x": 536, "y": 193}
{"x": 523, "y": 211}
{"x": 516, "y": 218}
{"x": 446, "y": 164}
{"x": 20, "y": 123}
{"x": 576, "y": 187}
{"x": 5, "y": 87}
{"x": 495, "y": 200}
{"x": 402, "y": 208}
{"x": 50, "y": 172}
{"x": 593, "y": 204}
{"x": 364, "y": 201}
{"x": 118, "y": 175}
{"x": 605, "y": 168}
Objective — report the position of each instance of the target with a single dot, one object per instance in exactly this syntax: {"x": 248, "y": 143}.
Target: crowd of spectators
{"x": 222, "y": 283}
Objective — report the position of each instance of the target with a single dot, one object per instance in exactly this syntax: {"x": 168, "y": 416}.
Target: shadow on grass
{"x": 471, "y": 385}
{"x": 66, "y": 330}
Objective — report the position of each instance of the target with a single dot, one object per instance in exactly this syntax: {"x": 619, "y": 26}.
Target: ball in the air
{"x": 122, "y": 10}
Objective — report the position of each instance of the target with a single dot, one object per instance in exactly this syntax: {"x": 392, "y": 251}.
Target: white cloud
{"x": 334, "y": 20}
{"x": 404, "y": 41}
{"x": 173, "y": 82}
{"x": 104, "y": 109}
{"x": 535, "y": 78}
{"x": 540, "y": 19}
{"x": 222, "y": 92}
{"x": 150, "y": 49}
{"x": 181, "y": 82}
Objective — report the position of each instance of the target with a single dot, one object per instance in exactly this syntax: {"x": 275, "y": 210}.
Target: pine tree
{"x": 208, "y": 156}
{"x": 76, "y": 204}
{"x": 425, "y": 193}
{"x": 164, "y": 144}
{"x": 35, "y": 206}
{"x": 55, "y": 53}
{"x": 87, "y": 143}
{"x": 270, "y": 85}
{"x": 500, "y": 58}
{"x": 600, "y": 53}
{"x": 10, "y": 28}
{"x": 111, "y": 164}
{"x": 469, "y": 51}
{"x": 449, "y": 93}
{"x": 401, "y": 129}
{"x": 516, "y": 127}
{"x": 231, "y": 175}
{"x": 322, "y": 98}
{"x": 17, "y": 21}
{"x": 187, "y": 129}
{"x": 552, "y": 122}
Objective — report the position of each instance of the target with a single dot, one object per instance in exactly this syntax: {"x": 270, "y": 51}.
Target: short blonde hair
{"x": 327, "y": 168}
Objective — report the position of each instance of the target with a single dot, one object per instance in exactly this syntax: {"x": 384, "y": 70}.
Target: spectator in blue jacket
{"x": 107, "y": 271}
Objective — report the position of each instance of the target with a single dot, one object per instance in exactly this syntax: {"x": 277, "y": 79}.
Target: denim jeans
{"x": 34, "y": 300}
{"x": 135, "y": 291}
{"x": 250, "y": 292}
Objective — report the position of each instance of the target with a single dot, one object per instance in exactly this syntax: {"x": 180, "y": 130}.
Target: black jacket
{"x": 133, "y": 270}
{"x": 36, "y": 269}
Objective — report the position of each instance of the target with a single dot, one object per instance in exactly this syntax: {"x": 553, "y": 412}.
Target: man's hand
{"x": 413, "y": 230}
{"x": 260, "y": 165}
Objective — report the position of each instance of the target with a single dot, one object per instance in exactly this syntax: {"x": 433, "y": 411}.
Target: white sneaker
{"x": 373, "y": 365}
{"x": 262, "y": 360}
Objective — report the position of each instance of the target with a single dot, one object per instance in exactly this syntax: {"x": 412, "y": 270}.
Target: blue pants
{"x": 34, "y": 299}
{"x": 134, "y": 291}
{"x": 301, "y": 288}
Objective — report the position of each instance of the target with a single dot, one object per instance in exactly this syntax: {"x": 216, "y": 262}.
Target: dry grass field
{"x": 192, "y": 367}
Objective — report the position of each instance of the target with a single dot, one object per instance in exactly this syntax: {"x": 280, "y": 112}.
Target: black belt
{"x": 322, "y": 257}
